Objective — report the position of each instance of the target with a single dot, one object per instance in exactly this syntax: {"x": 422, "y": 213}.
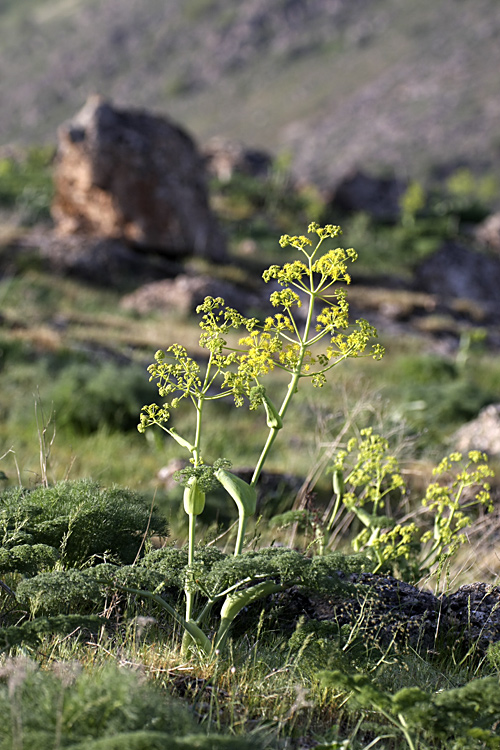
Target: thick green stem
{"x": 236, "y": 602}
{"x": 192, "y": 518}
{"x": 292, "y": 389}
{"x": 187, "y": 639}
{"x": 191, "y": 540}
{"x": 197, "y": 438}
{"x": 242, "y": 525}
{"x": 333, "y": 513}
{"x": 263, "y": 456}
{"x": 406, "y": 732}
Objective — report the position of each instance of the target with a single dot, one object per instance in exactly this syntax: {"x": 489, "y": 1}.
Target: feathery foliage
{"x": 79, "y": 519}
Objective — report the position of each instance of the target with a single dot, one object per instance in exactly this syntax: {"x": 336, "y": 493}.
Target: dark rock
{"x": 273, "y": 486}
{"x": 130, "y": 175}
{"x": 98, "y": 260}
{"x": 474, "y": 612}
{"x": 377, "y": 196}
{"x": 454, "y": 271}
{"x": 389, "y": 610}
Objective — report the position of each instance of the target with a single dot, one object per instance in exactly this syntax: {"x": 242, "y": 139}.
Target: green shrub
{"x": 79, "y": 591}
{"x": 30, "y": 633}
{"x": 166, "y": 571}
{"x": 105, "y": 709}
{"x": 80, "y": 519}
{"x": 69, "y": 707}
{"x": 27, "y": 559}
{"x": 463, "y": 717}
{"x": 26, "y": 184}
{"x": 87, "y": 396}
{"x": 61, "y": 592}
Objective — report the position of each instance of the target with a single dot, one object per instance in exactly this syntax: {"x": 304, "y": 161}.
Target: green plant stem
{"x": 192, "y": 518}
{"x": 189, "y": 591}
{"x": 236, "y": 602}
{"x": 400, "y": 723}
{"x": 191, "y": 535}
{"x": 333, "y": 513}
{"x": 218, "y": 597}
{"x": 407, "y": 735}
{"x": 197, "y": 438}
{"x": 291, "y": 391}
{"x": 242, "y": 525}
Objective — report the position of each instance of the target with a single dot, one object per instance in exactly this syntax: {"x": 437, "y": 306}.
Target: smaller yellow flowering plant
{"x": 371, "y": 480}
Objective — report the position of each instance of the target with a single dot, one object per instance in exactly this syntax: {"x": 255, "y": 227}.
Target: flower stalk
{"x": 241, "y": 372}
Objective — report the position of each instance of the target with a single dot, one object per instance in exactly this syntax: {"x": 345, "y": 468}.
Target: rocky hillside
{"x": 336, "y": 83}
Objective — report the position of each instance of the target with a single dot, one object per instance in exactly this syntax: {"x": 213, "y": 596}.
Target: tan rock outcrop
{"x": 488, "y": 232}
{"x": 131, "y": 175}
{"x": 483, "y": 433}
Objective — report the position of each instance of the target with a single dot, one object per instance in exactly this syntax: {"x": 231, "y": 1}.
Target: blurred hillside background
{"x": 334, "y": 83}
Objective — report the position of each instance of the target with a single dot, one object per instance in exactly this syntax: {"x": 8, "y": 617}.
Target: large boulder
{"x": 131, "y": 175}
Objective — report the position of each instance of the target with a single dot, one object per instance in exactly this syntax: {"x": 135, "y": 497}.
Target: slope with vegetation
{"x": 335, "y": 83}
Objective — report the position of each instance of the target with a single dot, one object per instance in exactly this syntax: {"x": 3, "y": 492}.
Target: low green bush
{"x": 30, "y": 633}
{"x": 27, "y": 559}
{"x": 68, "y": 707}
{"x": 73, "y": 591}
{"x": 102, "y": 709}
{"x": 81, "y": 520}
{"x": 462, "y": 717}
{"x": 88, "y": 396}
{"x": 26, "y": 184}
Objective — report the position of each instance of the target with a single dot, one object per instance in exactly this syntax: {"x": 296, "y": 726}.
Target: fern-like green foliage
{"x": 172, "y": 563}
{"x": 463, "y": 717}
{"x": 213, "y": 571}
{"x": 27, "y": 559}
{"x": 69, "y": 707}
{"x": 30, "y": 633}
{"x": 84, "y": 592}
{"x": 60, "y": 592}
{"x": 80, "y": 591}
{"x": 283, "y": 565}
{"x": 80, "y": 519}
